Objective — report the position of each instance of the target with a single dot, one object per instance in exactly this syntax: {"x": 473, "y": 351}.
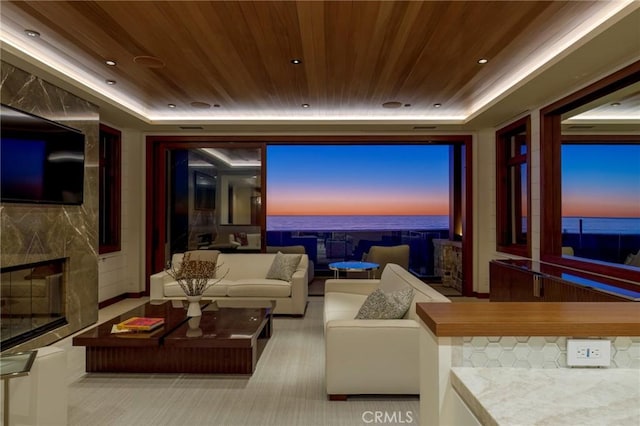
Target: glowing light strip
{"x": 69, "y": 70}
{"x": 251, "y": 116}
{"x": 63, "y": 66}
{"x": 545, "y": 56}
{"x": 220, "y": 156}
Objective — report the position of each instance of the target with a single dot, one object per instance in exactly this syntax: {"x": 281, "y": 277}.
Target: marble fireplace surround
{"x": 31, "y": 233}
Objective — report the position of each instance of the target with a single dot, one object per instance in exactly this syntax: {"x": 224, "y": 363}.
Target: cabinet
{"x": 510, "y": 284}
{"x": 527, "y": 281}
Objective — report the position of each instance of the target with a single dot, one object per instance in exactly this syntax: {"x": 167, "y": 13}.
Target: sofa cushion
{"x": 173, "y": 289}
{"x": 393, "y": 279}
{"x": 342, "y": 306}
{"x": 283, "y": 266}
{"x": 259, "y": 287}
{"x": 381, "y": 305}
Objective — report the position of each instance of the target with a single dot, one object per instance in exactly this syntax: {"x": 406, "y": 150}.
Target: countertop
{"x": 562, "y": 396}
{"x": 531, "y": 318}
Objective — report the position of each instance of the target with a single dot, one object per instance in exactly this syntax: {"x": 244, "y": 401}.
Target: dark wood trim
{"x": 480, "y": 295}
{"x": 550, "y": 178}
{"x": 596, "y": 139}
{"x": 619, "y": 79}
{"x": 467, "y": 219}
{"x": 123, "y": 296}
{"x": 503, "y": 199}
{"x": 337, "y": 397}
{"x": 157, "y": 145}
{"x": 114, "y": 215}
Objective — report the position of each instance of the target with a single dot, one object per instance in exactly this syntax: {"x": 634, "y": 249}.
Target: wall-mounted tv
{"x": 40, "y": 161}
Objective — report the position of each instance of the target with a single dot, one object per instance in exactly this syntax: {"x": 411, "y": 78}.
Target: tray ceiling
{"x": 232, "y": 60}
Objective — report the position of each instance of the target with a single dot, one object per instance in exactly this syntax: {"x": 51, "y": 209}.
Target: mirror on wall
{"x": 600, "y": 179}
{"x": 212, "y": 193}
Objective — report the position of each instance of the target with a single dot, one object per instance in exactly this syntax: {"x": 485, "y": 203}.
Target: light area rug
{"x": 286, "y": 389}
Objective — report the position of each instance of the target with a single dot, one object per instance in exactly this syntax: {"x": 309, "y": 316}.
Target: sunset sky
{"x": 597, "y": 181}
{"x": 358, "y": 180}
{"x": 601, "y": 181}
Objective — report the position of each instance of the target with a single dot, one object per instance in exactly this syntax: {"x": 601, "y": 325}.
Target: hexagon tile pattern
{"x": 539, "y": 352}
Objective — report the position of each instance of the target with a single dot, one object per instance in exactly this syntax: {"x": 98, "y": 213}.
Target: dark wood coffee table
{"x": 226, "y": 341}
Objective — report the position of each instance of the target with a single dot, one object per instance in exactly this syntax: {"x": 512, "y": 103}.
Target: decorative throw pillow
{"x": 381, "y": 305}
{"x": 283, "y": 266}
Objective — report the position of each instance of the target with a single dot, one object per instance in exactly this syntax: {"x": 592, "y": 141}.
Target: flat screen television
{"x": 40, "y": 161}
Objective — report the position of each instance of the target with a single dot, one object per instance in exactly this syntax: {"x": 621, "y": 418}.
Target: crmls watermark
{"x": 388, "y": 417}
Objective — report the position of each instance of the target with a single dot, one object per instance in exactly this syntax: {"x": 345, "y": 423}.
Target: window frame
{"x": 551, "y": 173}
{"x": 109, "y": 214}
{"x": 509, "y": 193}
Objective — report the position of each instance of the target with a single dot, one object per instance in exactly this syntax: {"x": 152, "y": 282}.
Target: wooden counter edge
{"x": 581, "y": 319}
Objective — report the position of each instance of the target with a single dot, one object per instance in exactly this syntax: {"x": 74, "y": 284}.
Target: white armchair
{"x": 372, "y": 356}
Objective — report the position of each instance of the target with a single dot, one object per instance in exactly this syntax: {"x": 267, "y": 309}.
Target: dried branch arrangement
{"x": 195, "y": 276}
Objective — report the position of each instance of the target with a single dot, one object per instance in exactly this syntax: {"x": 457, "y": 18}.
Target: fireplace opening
{"x": 32, "y": 301}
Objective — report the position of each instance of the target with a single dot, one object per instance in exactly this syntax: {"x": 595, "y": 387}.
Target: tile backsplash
{"x": 536, "y": 351}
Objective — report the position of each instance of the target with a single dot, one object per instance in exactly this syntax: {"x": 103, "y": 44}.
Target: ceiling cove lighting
{"x": 610, "y": 13}
{"x": 32, "y": 33}
{"x": 527, "y": 69}
{"x": 238, "y": 163}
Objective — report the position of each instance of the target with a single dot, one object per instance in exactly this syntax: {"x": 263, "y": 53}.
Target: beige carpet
{"x": 286, "y": 389}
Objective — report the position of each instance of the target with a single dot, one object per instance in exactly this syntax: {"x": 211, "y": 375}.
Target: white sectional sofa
{"x": 245, "y": 281}
{"x": 372, "y": 356}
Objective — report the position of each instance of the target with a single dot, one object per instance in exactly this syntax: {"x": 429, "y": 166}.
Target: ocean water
{"x": 601, "y": 225}
{"x": 356, "y": 223}
{"x": 593, "y": 225}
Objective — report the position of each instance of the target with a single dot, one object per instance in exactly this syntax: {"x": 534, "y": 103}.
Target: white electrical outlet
{"x": 588, "y": 352}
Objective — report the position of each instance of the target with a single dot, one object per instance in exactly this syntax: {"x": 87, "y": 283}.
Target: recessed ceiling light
{"x": 32, "y": 33}
{"x": 111, "y": 63}
{"x": 407, "y": 105}
{"x": 483, "y": 61}
{"x": 171, "y": 105}
{"x": 615, "y": 104}
{"x": 437, "y": 105}
{"x": 296, "y": 61}
{"x": 216, "y": 105}
{"x": 306, "y": 106}
{"x": 110, "y": 82}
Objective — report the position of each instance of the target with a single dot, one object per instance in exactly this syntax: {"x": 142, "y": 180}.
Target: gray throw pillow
{"x": 381, "y": 305}
{"x": 283, "y": 266}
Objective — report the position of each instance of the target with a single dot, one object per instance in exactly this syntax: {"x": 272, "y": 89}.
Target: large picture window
{"x": 598, "y": 109}
{"x": 352, "y": 197}
{"x": 601, "y": 203}
{"x": 512, "y": 188}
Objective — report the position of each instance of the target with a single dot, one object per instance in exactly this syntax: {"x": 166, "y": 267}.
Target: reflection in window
{"x": 601, "y": 201}
{"x": 110, "y": 185}
{"x": 212, "y": 193}
{"x": 513, "y": 187}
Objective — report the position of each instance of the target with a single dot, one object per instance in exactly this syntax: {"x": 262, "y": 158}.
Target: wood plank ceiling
{"x": 355, "y": 55}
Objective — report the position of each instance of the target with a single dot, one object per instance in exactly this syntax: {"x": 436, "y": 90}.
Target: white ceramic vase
{"x": 193, "y": 309}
